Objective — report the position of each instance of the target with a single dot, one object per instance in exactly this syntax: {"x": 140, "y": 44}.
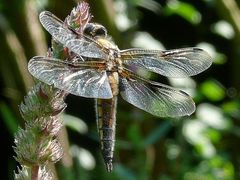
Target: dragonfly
{"x": 102, "y": 71}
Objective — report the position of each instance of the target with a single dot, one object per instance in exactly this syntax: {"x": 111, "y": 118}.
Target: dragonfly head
{"x": 95, "y": 29}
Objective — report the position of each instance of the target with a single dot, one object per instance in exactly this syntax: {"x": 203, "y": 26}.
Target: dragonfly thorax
{"x": 114, "y": 63}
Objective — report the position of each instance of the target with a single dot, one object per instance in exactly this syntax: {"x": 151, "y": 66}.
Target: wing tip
{"x": 45, "y": 13}
{"x": 190, "y": 102}
{"x": 203, "y": 51}
{"x": 203, "y": 57}
{"x": 46, "y": 17}
{"x": 30, "y": 63}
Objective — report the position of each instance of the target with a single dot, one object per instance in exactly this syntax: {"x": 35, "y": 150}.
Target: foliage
{"x": 203, "y": 146}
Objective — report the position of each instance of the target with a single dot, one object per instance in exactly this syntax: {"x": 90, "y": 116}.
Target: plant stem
{"x": 35, "y": 170}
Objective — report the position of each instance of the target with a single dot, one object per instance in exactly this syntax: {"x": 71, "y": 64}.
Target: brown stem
{"x": 35, "y": 170}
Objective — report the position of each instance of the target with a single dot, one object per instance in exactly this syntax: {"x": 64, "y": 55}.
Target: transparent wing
{"x": 171, "y": 63}
{"x": 81, "y": 79}
{"x": 82, "y": 47}
{"x": 85, "y": 48}
{"x": 155, "y": 98}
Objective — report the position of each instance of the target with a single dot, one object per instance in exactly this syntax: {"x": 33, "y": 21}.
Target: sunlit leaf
{"x": 185, "y": 10}
{"x": 75, "y": 123}
{"x": 193, "y": 130}
{"x": 195, "y": 133}
{"x": 150, "y": 5}
{"x": 146, "y": 41}
{"x": 121, "y": 18}
{"x": 212, "y": 90}
{"x": 206, "y": 149}
{"x": 220, "y": 58}
{"x": 84, "y": 157}
{"x": 216, "y": 167}
{"x": 213, "y": 134}
{"x": 224, "y": 29}
{"x": 212, "y": 116}
{"x": 232, "y": 107}
{"x": 222, "y": 165}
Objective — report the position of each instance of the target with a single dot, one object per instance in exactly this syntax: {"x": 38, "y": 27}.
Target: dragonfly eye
{"x": 94, "y": 29}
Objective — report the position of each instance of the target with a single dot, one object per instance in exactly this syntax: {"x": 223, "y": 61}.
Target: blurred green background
{"x": 203, "y": 146}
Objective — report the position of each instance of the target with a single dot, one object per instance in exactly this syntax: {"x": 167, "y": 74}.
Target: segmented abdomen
{"x": 106, "y": 122}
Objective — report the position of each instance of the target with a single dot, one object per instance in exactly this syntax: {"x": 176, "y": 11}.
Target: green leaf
{"x": 213, "y": 90}
{"x": 83, "y": 157}
{"x": 185, "y": 10}
{"x": 224, "y": 29}
{"x": 214, "y": 135}
{"x": 232, "y": 107}
{"x": 75, "y": 123}
{"x": 8, "y": 118}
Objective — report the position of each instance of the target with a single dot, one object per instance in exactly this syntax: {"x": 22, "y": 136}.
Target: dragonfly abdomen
{"x": 106, "y": 122}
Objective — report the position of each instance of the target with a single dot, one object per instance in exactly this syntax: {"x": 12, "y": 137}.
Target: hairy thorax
{"x": 114, "y": 62}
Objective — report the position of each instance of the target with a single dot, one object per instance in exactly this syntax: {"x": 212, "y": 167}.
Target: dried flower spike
{"x": 79, "y": 17}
